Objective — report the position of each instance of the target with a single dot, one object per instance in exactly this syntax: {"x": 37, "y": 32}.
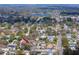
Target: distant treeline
{"x": 12, "y": 20}
{"x": 69, "y": 13}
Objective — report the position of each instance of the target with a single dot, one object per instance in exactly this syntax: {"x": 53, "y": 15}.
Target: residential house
{"x": 50, "y": 38}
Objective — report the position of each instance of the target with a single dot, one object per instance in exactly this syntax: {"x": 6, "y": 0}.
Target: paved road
{"x": 59, "y": 44}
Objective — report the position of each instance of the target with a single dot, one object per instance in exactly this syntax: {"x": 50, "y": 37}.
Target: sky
{"x": 39, "y": 1}
{"x": 40, "y": 5}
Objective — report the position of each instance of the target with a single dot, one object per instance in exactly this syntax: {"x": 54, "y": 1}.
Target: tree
{"x": 20, "y": 52}
{"x": 55, "y": 33}
{"x": 74, "y": 34}
{"x": 20, "y": 33}
{"x": 63, "y": 33}
{"x": 78, "y": 43}
{"x": 69, "y": 21}
{"x": 25, "y": 30}
{"x": 4, "y": 42}
{"x": 12, "y": 37}
{"x": 47, "y": 41}
{"x": 67, "y": 51}
{"x": 27, "y": 47}
{"x": 65, "y": 41}
{"x": 55, "y": 40}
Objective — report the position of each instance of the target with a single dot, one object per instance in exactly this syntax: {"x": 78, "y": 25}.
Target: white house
{"x": 12, "y": 46}
{"x": 50, "y": 38}
{"x": 68, "y": 35}
{"x": 65, "y": 27}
